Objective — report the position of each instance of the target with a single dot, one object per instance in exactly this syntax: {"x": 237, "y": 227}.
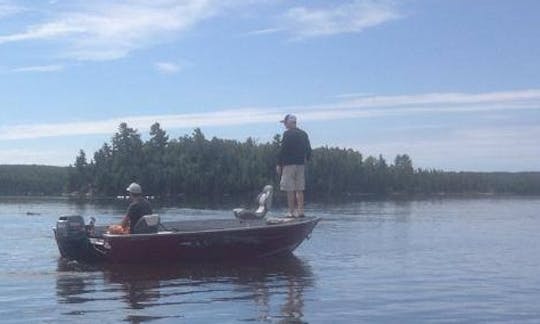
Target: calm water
{"x": 450, "y": 260}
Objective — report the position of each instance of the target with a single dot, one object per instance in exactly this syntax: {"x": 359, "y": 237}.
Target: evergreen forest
{"x": 193, "y": 165}
{"x": 200, "y": 167}
{"x": 32, "y": 180}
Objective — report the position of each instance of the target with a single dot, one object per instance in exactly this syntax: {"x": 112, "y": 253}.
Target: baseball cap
{"x": 289, "y": 117}
{"x": 134, "y": 188}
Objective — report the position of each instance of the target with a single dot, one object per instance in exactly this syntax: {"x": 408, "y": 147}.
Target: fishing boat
{"x": 187, "y": 240}
{"x": 250, "y": 235}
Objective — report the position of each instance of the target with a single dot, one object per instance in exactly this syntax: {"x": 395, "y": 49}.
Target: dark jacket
{"x": 295, "y": 147}
{"x": 137, "y": 209}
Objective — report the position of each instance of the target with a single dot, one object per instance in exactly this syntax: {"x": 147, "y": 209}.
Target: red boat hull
{"x": 246, "y": 241}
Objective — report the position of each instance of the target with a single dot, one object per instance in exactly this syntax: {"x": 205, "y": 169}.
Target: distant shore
{"x": 311, "y": 196}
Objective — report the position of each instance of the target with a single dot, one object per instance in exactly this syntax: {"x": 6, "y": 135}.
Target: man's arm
{"x": 308, "y": 148}
{"x": 281, "y": 153}
{"x": 125, "y": 221}
{"x": 127, "y": 218}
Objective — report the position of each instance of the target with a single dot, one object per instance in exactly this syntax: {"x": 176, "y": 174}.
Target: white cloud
{"x": 353, "y": 95}
{"x": 509, "y": 148}
{"x": 366, "y": 107}
{"x": 447, "y": 98}
{"x": 353, "y": 17}
{"x": 475, "y": 146}
{"x": 167, "y": 67}
{"x": 219, "y": 118}
{"x": 104, "y": 30}
{"x": 39, "y": 68}
{"x": 36, "y": 156}
{"x": 9, "y": 9}
{"x": 264, "y": 31}
{"x": 107, "y": 30}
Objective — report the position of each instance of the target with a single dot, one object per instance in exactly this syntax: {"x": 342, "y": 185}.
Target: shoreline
{"x": 313, "y": 196}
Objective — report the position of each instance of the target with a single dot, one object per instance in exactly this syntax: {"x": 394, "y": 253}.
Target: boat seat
{"x": 264, "y": 201}
{"x": 148, "y": 224}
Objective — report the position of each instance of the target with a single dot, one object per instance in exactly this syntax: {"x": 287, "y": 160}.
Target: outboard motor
{"x": 264, "y": 200}
{"x": 71, "y": 237}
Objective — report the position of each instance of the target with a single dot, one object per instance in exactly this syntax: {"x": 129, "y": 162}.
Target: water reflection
{"x": 272, "y": 289}
{"x": 70, "y": 288}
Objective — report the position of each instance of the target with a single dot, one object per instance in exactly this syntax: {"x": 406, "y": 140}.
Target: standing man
{"x": 295, "y": 151}
{"x": 138, "y": 208}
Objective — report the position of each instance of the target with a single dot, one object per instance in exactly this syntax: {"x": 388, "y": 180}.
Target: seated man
{"x": 138, "y": 208}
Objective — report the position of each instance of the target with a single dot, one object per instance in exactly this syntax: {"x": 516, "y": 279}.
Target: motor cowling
{"x": 71, "y": 227}
{"x": 71, "y": 236}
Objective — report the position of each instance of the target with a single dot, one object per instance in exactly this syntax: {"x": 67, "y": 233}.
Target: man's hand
{"x": 278, "y": 169}
{"x": 125, "y": 222}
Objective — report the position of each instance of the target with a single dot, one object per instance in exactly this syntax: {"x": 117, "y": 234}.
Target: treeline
{"x": 189, "y": 165}
{"x": 32, "y": 180}
{"x": 194, "y": 165}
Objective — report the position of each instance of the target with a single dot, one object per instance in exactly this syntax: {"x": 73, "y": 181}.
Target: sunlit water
{"x": 447, "y": 260}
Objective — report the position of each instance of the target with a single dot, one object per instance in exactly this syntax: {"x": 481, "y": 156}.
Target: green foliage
{"x": 32, "y": 180}
{"x": 196, "y": 166}
{"x": 190, "y": 165}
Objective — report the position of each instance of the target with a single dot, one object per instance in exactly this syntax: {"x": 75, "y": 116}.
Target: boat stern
{"x": 72, "y": 239}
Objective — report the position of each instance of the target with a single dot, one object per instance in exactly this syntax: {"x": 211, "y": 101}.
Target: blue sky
{"x": 456, "y": 84}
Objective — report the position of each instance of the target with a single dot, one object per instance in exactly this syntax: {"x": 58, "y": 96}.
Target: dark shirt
{"x": 295, "y": 147}
{"x": 137, "y": 209}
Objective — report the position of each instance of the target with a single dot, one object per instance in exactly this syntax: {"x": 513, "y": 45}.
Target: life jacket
{"x": 117, "y": 229}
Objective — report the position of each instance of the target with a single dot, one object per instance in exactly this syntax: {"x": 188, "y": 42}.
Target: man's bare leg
{"x": 290, "y": 201}
{"x": 300, "y": 201}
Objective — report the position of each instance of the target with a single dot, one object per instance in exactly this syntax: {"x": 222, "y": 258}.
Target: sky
{"x": 454, "y": 84}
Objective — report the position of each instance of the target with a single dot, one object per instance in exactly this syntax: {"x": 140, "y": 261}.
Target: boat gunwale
{"x": 304, "y": 221}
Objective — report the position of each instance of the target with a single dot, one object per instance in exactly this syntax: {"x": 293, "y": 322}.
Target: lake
{"x": 433, "y": 260}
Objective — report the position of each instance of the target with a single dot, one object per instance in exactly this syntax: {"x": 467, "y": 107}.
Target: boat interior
{"x": 186, "y": 226}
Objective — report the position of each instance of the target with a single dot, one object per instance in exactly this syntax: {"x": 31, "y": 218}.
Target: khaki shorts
{"x": 292, "y": 178}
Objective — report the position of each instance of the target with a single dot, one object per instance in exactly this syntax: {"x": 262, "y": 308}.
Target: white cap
{"x": 289, "y": 118}
{"x": 134, "y": 188}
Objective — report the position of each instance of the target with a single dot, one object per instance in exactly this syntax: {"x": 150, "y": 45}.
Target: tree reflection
{"x": 275, "y": 286}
